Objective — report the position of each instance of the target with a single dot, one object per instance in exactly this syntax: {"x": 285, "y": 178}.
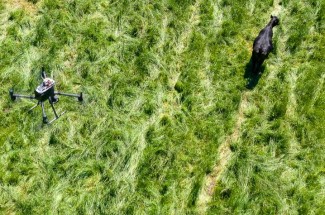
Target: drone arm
{"x": 79, "y": 96}
{"x": 24, "y": 96}
{"x": 14, "y": 96}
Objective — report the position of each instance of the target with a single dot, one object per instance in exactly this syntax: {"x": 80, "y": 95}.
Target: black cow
{"x": 263, "y": 45}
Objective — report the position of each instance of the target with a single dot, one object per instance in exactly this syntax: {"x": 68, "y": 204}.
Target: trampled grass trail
{"x": 224, "y": 153}
{"x": 184, "y": 40}
{"x": 291, "y": 110}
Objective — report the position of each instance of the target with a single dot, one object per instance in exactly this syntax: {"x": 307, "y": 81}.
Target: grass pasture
{"x": 170, "y": 124}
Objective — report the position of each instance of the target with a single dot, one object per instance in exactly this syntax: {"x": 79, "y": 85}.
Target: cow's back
{"x": 263, "y": 42}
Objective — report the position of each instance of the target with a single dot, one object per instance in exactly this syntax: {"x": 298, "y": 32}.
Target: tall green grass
{"x": 276, "y": 167}
{"x": 163, "y": 81}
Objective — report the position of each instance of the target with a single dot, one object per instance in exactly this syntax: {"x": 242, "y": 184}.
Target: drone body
{"x": 45, "y": 91}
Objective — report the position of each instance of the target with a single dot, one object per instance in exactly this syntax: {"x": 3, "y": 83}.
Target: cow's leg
{"x": 260, "y": 63}
{"x": 254, "y": 62}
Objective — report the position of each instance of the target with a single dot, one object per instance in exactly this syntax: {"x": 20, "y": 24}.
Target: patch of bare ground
{"x": 21, "y": 4}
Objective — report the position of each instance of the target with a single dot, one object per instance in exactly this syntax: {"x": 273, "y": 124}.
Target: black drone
{"x": 45, "y": 91}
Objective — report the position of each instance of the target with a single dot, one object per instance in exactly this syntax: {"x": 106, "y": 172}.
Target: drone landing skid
{"x": 56, "y": 117}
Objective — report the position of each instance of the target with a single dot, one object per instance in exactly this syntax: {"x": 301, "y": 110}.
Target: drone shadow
{"x": 252, "y": 78}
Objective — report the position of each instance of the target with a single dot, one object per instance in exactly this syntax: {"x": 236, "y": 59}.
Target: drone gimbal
{"x": 45, "y": 91}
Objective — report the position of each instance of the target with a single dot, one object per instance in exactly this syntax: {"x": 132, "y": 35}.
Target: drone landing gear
{"x": 33, "y": 107}
{"x": 45, "y": 120}
{"x": 52, "y": 101}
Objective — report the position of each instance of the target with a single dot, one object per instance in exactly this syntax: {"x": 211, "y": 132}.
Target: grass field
{"x": 170, "y": 123}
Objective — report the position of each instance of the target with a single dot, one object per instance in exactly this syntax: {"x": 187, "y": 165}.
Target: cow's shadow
{"x": 252, "y": 78}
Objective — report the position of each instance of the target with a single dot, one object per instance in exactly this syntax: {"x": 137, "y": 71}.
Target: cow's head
{"x": 275, "y": 20}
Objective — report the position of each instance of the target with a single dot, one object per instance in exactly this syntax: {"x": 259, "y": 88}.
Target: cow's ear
{"x": 271, "y": 16}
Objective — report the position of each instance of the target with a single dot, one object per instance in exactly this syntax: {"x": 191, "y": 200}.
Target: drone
{"x": 45, "y": 91}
